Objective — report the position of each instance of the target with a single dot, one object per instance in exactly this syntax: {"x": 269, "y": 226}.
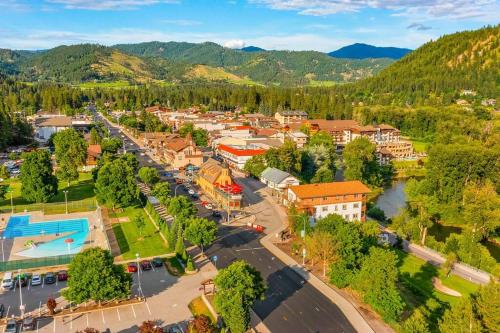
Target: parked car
{"x": 204, "y": 203}
{"x": 146, "y": 265}
{"x": 157, "y": 262}
{"x": 29, "y": 324}
{"x": 131, "y": 267}
{"x": 168, "y": 174}
{"x": 191, "y": 191}
{"x": 195, "y": 196}
{"x": 178, "y": 181}
{"x": 62, "y": 276}
{"x": 7, "y": 282}
{"x": 175, "y": 329}
{"x": 216, "y": 213}
{"x": 36, "y": 280}
{"x": 50, "y": 278}
{"x": 209, "y": 206}
{"x": 11, "y": 326}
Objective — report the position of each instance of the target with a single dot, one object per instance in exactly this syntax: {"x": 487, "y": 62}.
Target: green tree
{"x": 181, "y": 206}
{"x": 322, "y": 246}
{"x": 200, "y": 136}
{"x": 416, "y": 323}
{"x": 162, "y": 192}
{"x": 255, "y": 165}
{"x": 111, "y": 145}
{"x": 323, "y": 175}
{"x": 96, "y": 277}
{"x": 461, "y": 317}
{"x": 377, "y": 281}
{"x": 3, "y": 191}
{"x": 360, "y": 161}
{"x": 4, "y": 173}
{"x": 149, "y": 176}
{"x": 38, "y": 183}
{"x": 116, "y": 184}
{"x": 321, "y": 138}
{"x": 487, "y": 304}
{"x": 481, "y": 208}
{"x": 179, "y": 244}
{"x": 139, "y": 222}
{"x": 421, "y": 208}
{"x": 201, "y": 232}
{"x": 131, "y": 161}
{"x": 71, "y": 153}
{"x": 95, "y": 137}
{"x": 238, "y": 286}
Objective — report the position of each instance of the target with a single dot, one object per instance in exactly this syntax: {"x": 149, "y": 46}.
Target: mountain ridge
{"x": 364, "y": 51}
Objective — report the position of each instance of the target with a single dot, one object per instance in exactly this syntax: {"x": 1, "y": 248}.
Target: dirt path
{"x": 436, "y": 282}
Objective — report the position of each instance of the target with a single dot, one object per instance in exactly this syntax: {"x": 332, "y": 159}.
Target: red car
{"x": 178, "y": 181}
{"x": 62, "y": 276}
{"x": 204, "y": 203}
{"x": 132, "y": 267}
{"x": 146, "y": 265}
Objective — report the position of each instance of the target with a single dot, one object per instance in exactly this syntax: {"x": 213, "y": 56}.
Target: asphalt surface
{"x": 291, "y": 304}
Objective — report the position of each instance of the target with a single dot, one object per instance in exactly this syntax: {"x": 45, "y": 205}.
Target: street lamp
{"x": 3, "y": 254}
{"x": 138, "y": 273}
{"x": 66, "y": 200}
{"x": 303, "y": 231}
{"x": 175, "y": 190}
{"x": 11, "y": 201}
{"x": 21, "y": 306}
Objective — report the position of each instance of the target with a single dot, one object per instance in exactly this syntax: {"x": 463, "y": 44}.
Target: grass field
{"x": 417, "y": 290}
{"x": 130, "y": 241}
{"x": 198, "y": 307}
{"x": 420, "y": 146}
{"x": 81, "y": 196}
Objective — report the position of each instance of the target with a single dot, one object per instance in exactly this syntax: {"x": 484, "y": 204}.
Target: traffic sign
{"x": 214, "y": 258}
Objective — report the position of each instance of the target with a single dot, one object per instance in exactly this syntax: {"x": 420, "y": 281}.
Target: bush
{"x": 190, "y": 265}
{"x": 376, "y": 213}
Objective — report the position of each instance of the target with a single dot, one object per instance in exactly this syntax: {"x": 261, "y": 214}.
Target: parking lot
{"x": 166, "y": 302}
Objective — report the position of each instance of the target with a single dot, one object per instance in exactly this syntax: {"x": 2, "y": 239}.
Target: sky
{"x": 321, "y": 25}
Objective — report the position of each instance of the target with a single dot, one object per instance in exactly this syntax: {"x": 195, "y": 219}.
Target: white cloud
{"x": 234, "y": 44}
{"x": 455, "y": 9}
{"x": 182, "y": 23}
{"x": 107, "y": 4}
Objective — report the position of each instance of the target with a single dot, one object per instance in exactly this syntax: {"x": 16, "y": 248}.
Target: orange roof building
{"x": 347, "y": 199}
{"x": 236, "y": 156}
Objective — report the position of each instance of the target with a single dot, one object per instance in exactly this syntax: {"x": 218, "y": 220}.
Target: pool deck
{"x": 12, "y": 246}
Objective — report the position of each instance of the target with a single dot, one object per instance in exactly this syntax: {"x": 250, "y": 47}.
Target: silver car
{"x": 36, "y": 280}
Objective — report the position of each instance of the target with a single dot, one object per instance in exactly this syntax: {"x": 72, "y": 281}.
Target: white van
{"x": 7, "y": 282}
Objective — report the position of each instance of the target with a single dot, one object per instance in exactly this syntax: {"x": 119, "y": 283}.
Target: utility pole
{"x": 21, "y": 306}
{"x": 66, "y": 200}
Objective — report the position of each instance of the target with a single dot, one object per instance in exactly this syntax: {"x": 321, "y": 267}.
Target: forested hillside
{"x": 465, "y": 60}
{"x": 363, "y": 51}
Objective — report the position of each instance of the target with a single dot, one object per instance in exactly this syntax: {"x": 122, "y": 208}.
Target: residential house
{"x": 278, "y": 181}
{"x": 347, "y": 199}
{"x": 298, "y": 137}
{"x": 181, "y": 152}
{"x": 93, "y": 154}
{"x": 290, "y": 116}
{"x": 215, "y": 180}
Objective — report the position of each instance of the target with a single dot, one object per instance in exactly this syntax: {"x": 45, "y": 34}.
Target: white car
{"x": 209, "y": 206}
{"x": 142, "y": 154}
{"x": 7, "y": 282}
{"x": 191, "y": 192}
{"x": 36, "y": 280}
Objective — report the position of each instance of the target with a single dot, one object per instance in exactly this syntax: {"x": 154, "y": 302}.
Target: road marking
{"x": 316, "y": 308}
{"x": 133, "y": 311}
{"x": 7, "y": 314}
{"x": 40, "y": 309}
{"x": 118, "y": 312}
{"x": 57, "y": 280}
{"x": 102, "y": 315}
{"x": 87, "y": 316}
{"x": 54, "y": 324}
{"x": 269, "y": 267}
{"x": 29, "y": 285}
{"x": 37, "y": 323}
{"x": 71, "y": 322}
{"x": 147, "y": 305}
{"x": 250, "y": 249}
{"x": 43, "y": 283}
{"x": 153, "y": 268}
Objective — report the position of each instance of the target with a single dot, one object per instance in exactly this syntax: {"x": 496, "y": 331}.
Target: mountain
{"x": 284, "y": 68}
{"x": 463, "y": 60}
{"x": 177, "y": 62}
{"x": 252, "y": 49}
{"x": 364, "y": 51}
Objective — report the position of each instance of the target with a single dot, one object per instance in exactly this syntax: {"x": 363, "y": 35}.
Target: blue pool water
{"x": 77, "y": 229}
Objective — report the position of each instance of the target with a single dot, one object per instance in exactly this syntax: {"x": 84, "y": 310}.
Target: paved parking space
{"x": 166, "y": 302}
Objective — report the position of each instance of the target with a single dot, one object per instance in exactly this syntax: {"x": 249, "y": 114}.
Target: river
{"x": 392, "y": 199}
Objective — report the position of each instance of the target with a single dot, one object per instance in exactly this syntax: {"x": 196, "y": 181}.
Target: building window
{"x": 347, "y": 217}
{"x": 325, "y": 208}
{"x": 355, "y": 195}
{"x": 336, "y": 208}
{"x": 356, "y": 205}
{"x": 325, "y": 198}
{"x": 355, "y": 216}
{"x": 344, "y": 207}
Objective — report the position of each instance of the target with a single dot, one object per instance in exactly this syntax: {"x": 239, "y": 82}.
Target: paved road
{"x": 291, "y": 304}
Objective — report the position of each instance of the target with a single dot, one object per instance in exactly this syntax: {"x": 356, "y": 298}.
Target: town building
{"x": 215, "y": 180}
{"x": 93, "y": 154}
{"x": 299, "y": 138}
{"x": 236, "y": 156}
{"x": 47, "y": 125}
{"x": 290, "y": 116}
{"x": 180, "y": 152}
{"x": 278, "y": 181}
{"x": 347, "y": 199}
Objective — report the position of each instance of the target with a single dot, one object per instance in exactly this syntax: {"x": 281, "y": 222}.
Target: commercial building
{"x": 347, "y": 199}
{"x": 236, "y": 156}
{"x": 215, "y": 180}
{"x": 290, "y": 116}
{"x": 47, "y": 125}
{"x": 278, "y": 181}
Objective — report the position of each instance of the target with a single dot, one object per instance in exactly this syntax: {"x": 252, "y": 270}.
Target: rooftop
{"x": 242, "y": 150}
{"x": 292, "y": 113}
{"x": 274, "y": 175}
{"x": 329, "y": 189}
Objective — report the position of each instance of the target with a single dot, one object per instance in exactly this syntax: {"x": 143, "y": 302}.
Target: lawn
{"x": 130, "y": 241}
{"x": 81, "y": 197}
{"x": 417, "y": 289}
{"x": 420, "y": 146}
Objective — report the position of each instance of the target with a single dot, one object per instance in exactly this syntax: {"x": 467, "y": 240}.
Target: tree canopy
{"x": 71, "y": 153}
{"x": 38, "y": 183}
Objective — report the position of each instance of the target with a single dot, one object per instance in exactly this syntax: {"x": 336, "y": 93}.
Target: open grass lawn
{"x": 148, "y": 243}
{"x": 420, "y": 146}
{"x": 417, "y": 289}
{"x": 80, "y": 194}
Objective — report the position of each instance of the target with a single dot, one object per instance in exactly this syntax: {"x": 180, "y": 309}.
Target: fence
{"x": 85, "y": 205}
{"x": 36, "y": 262}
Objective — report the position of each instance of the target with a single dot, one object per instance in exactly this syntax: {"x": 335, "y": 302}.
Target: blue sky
{"x": 322, "y": 25}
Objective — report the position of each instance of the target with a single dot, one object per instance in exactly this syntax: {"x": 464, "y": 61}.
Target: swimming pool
{"x": 76, "y": 229}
